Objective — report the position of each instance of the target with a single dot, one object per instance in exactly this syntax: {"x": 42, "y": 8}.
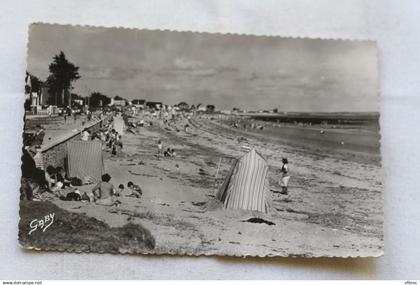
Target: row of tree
{"x": 63, "y": 74}
{"x": 59, "y": 82}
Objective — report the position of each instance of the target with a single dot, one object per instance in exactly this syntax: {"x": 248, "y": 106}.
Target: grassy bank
{"x": 79, "y": 232}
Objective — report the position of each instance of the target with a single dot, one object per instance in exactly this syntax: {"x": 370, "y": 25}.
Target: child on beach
{"x": 62, "y": 177}
{"x": 114, "y": 149}
{"x": 119, "y": 191}
{"x": 167, "y": 153}
{"x": 134, "y": 189}
{"x": 119, "y": 142}
{"x": 160, "y": 147}
{"x": 285, "y": 176}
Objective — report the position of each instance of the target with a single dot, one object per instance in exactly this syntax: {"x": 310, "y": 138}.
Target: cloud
{"x": 184, "y": 63}
{"x": 298, "y": 74}
{"x": 170, "y": 87}
{"x": 109, "y": 73}
{"x": 185, "y": 66}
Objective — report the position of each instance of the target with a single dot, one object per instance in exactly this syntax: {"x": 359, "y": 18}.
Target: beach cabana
{"x": 246, "y": 186}
{"x": 85, "y": 160}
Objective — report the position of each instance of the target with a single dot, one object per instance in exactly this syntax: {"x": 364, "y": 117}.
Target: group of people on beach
{"x": 105, "y": 194}
{"x": 112, "y": 141}
{"x": 110, "y": 138}
{"x": 37, "y": 180}
{"x": 56, "y": 182}
{"x": 238, "y": 125}
{"x": 169, "y": 152}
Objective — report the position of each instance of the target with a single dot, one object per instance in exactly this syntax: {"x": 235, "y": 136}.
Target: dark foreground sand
{"x": 334, "y": 207}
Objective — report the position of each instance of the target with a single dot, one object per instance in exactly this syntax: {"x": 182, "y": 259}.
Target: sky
{"x": 247, "y": 72}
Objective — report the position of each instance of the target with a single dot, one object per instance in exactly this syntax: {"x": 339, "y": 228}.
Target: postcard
{"x": 164, "y": 142}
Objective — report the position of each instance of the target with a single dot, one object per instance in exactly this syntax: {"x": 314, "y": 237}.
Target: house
{"x": 226, "y": 112}
{"x": 37, "y": 94}
{"x": 210, "y": 108}
{"x": 139, "y": 103}
{"x": 78, "y": 101}
{"x": 201, "y": 108}
{"x": 154, "y": 105}
{"x": 118, "y": 101}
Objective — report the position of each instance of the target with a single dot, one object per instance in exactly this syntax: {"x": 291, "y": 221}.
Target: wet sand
{"x": 334, "y": 206}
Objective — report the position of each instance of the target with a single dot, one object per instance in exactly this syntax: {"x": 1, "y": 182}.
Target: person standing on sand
{"x": 103, "y": 192}
{"x": 49, "y": 111}
{"x": 285, "y": 176}
{"x": 160, "y": 147}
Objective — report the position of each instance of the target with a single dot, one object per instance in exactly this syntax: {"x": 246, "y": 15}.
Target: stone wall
{"x": 56, "y": 155}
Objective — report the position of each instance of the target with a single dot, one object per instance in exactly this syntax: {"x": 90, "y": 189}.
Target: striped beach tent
{"x": 85, "y": 160}
{"x": 246, "y": 185}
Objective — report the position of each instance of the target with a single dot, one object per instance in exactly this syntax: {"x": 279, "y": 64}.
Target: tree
{"x": 183, "y": 106}
{"x": 118, "y": 98}
{"x": 98, "y": 99}
{"x": 62, "y": 75}
{"x": 210, "y": 108}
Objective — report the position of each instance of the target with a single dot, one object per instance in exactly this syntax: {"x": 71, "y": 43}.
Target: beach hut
{"x": 246, "y": 186}
{"x": 85, "y": 160}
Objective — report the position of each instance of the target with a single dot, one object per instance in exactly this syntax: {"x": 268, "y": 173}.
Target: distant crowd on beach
{"x": 110, "y": 138}
{"x": 169, "y": 152}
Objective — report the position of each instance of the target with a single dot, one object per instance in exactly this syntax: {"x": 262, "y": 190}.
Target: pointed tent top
{"x": 253, "y": 151}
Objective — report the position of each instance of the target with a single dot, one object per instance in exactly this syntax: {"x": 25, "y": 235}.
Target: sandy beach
{"x": 334, "y": 205}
